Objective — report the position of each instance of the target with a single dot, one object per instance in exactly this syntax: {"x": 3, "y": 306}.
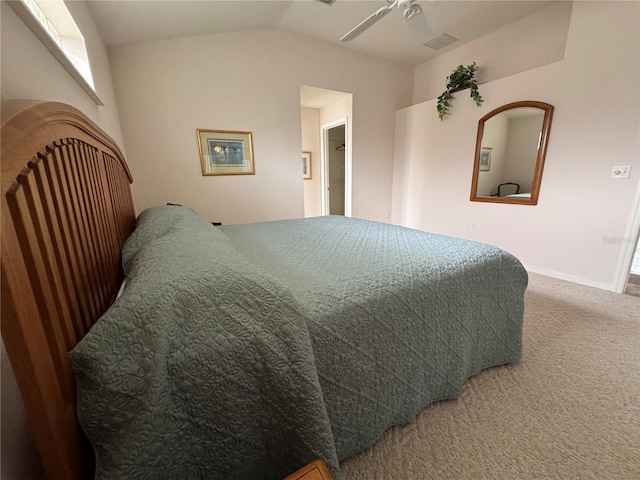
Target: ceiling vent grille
{"x": 440, "y": 41}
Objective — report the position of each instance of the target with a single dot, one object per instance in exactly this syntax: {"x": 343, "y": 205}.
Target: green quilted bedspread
{"x": 248, "y": 351}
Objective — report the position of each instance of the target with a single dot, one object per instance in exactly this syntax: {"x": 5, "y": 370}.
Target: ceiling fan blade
{"x": 370, "y": 20}
{"x": 418, "y": 24}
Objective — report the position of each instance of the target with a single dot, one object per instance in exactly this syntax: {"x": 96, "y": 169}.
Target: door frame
{"x": 324, "y": 169}
{"x": 631, "y": 240}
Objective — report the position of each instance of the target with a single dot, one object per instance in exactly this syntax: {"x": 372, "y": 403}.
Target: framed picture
{"x": 225, "y": 152}
{"x": 485, "y": 159}
{"x": 306, "y": 165}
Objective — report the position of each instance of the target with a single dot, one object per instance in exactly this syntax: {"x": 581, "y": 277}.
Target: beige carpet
{"x": 570, "y": 409}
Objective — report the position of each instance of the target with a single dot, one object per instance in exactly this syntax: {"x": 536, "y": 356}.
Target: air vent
{"x": 328, "y": 2}
{"x": 440, "y": 41}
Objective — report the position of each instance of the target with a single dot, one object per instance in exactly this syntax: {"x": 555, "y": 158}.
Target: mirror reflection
{"x": 510, "y": 150}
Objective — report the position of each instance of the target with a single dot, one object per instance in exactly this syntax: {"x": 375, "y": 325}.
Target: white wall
{"x": 495, "y": 136}
{"x": 310, "y": 124}
{"x": 536, "y": 40}
{"x": 522, "y": 151}
{"x": 28, "y": 70}
{"x": 250, "y": 81}
{"x": 596, "y": 93}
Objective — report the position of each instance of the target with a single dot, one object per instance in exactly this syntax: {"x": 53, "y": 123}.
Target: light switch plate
{"x": 620, "y": 171}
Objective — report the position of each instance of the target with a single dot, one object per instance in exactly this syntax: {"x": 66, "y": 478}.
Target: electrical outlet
{"x": 620, "y": 171}
{"x": 473, "y": 226}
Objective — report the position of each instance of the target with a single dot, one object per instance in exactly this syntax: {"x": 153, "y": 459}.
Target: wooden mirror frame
{"x": 542, "y": 152}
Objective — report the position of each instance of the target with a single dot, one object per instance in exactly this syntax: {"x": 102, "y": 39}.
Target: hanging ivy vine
{"x": 461, "y": 78}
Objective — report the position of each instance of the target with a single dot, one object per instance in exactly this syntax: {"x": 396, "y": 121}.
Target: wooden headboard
{"x": 66, "y": 211}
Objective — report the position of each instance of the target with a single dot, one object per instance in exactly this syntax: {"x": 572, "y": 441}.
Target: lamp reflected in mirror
{"x": 510, "y": 151}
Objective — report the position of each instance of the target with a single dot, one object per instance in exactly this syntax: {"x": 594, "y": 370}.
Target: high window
{"x": 52, "y": 23}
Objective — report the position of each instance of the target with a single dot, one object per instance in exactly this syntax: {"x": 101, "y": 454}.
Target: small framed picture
{"x": 225, "y": 152}
{"x": 485, "y": 159}
{"x": 306, "y": 165}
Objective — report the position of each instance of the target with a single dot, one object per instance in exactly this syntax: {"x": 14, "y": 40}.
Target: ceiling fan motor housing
{"x": 408, "y": 8}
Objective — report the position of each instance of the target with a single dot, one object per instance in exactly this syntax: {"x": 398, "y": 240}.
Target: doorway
{"x": 325, "y": 113}
{"x": 334, "y": 160}
{"x": 628, "y": 280}
{"x": 633, "y": 282}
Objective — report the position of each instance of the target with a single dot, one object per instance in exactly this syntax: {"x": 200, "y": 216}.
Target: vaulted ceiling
{"x": 132, "y": 21}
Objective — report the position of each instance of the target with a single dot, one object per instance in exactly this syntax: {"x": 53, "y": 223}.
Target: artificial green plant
{"x": 462, "y": 77}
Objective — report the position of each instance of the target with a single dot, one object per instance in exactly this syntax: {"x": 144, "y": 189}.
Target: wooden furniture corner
{"x": 316, "y": 470}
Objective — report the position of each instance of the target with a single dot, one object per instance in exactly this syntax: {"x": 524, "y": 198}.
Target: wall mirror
{"x": 510, "y": 151}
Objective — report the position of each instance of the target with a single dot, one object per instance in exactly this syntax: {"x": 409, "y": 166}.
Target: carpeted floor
{"x": 570, "y": 409}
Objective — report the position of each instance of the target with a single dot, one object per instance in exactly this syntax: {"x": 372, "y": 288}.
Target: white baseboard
{"x": 571, "y": 278}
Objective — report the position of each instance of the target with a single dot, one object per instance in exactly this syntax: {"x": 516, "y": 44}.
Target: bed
{"x": 519, "y": 195}
{"x": 241, "y": 351}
